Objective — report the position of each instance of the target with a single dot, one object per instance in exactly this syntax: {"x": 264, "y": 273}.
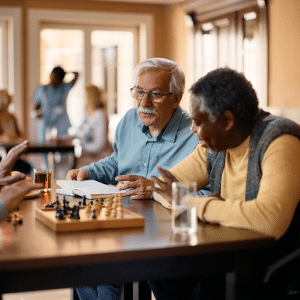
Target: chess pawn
{"x": 113, "y": 214}
{"x": 103, "y": 214}
{"x": 120, "y": 212}
{"x": 88, "y": 208}
{"x": 94, "y": 216}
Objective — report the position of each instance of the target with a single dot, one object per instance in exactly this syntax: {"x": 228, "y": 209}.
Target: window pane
{"x": 64, "y": 47}
{"x": 249, "y": 46}
{"x": 223, "y": 45}
{"x": 207, "y": 48}
{"x": 112, "y": 65}
{"x": 1, "y": 58}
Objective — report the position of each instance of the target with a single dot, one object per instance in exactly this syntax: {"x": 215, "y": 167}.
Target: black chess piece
{"x": 51, "y": 205}
{"x": 57, "y": 202}
{"x": 59, "y": 214}
{"x": 68, "y": 208}
{"x": 75, "y": 212}
{"x": 84, "y": 200}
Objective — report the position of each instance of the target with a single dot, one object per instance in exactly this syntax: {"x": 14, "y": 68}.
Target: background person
{"x": 251, "y": 160}
{"x": 10, "y": 132}
{"x": 93, "y": 133}
{"x": 50, "y": 104}
{"x": 9, "y": 129}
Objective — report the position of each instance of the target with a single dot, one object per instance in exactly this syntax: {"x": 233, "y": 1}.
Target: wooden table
{"x": 49, "y": 148}
{"x": 33, "y": 257}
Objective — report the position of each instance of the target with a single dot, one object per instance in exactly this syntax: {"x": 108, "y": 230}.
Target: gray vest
{"x": 266, "y": 129}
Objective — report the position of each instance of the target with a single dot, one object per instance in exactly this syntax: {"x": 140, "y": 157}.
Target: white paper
{"x": 86, "y": 188}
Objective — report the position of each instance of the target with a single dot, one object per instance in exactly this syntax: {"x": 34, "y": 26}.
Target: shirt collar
{"x": 170, "y": 131}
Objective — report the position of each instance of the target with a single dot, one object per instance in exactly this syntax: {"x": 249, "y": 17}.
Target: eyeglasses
{"x": 139, "y": 95}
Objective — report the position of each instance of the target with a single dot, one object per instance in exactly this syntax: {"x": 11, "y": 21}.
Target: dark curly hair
{"x": 225, "y": 89}
{"x": 60, "y": 72}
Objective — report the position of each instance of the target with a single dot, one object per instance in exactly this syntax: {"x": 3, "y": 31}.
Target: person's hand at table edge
{"x": 14, "y": 193}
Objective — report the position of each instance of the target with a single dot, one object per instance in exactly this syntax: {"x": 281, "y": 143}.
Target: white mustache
{"x": 146, "y": 110}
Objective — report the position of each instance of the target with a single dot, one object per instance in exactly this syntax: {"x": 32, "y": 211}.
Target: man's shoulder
{"x": 130, "y": 118}
{"x": 276, "y": 126}
{"x": 185, "y": 119}
{"x": 131, "y": 115}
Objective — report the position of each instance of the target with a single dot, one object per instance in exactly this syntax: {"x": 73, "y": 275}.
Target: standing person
{"x": 251, "y": 160}
{"x": 50, "y": 103}
{"x": 156, "y": 132}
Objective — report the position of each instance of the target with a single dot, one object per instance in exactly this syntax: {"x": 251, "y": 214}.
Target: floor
{"x": 61, "y": 294}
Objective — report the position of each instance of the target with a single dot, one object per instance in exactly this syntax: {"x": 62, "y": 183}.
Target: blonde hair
{"x": 4, "y": 99}
{"x": 95, "y": 96}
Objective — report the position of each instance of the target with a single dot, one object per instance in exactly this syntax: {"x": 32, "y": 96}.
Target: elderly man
{"x": 13, "y": 188}
{"x": 251, "y": 160}
{"x": 156, "y": 132}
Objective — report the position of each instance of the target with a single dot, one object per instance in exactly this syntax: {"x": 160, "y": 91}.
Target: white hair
{"x": 177, "y": 82}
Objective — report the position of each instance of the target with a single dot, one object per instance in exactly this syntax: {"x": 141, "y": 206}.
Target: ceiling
{"x": 148, "y": 1}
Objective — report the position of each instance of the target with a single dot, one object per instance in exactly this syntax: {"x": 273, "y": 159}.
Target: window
{"x": 87, "y": 50}
{"x": 11, "y": 63}
{"x": 102, "y": 32}
{"x": 237, "y": 39}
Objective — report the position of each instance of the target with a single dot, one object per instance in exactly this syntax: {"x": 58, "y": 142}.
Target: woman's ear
{"x": 228, "y": 120}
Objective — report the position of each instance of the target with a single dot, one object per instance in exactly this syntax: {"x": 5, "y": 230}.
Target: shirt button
{"x": 145, "y": 164}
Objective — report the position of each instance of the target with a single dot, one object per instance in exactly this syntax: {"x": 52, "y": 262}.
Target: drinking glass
{"x": 184, "y": 217}
{"x": 43, "y": 176}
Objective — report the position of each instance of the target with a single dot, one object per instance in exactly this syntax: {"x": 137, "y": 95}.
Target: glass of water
{"x": 184, "y": 217}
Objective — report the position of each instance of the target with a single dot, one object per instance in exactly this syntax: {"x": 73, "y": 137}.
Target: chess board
{"x": 48, "y": 217}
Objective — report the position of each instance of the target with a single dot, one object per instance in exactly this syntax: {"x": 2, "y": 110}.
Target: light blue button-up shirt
{"x": 137, "y": 153}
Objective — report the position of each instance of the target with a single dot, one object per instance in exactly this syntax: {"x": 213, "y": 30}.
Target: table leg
{"x": 230, "y": 285}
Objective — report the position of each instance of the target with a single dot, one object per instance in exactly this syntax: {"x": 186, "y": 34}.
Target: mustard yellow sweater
{"x": 272, "y": 211}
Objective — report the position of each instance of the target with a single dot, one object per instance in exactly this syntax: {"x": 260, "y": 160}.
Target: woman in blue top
{"x": 50, "y": 103}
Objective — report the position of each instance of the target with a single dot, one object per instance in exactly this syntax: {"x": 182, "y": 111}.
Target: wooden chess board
{"x": 48, "y": 217}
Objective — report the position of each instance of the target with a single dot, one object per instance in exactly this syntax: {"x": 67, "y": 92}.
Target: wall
{"x": 284, "y": 58}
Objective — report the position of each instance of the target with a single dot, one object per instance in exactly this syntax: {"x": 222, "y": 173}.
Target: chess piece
{"x": 84, "y": 200}
{"x": 59, "y": 214}
{"x": 88, "y": 208}
{"x": 50, "y": 205}
{"x": 16, "y": 218}
{"x": 94, "y": 217}
{"x": 75, "y": 212}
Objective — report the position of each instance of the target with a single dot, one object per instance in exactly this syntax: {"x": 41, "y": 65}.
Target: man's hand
{"x": 78, "y": 174}
{"x": 165, "y": 187}
{"x": 13, "y": 194}
{"x": 7, "y": 163}
{"x": 137, "y": 186}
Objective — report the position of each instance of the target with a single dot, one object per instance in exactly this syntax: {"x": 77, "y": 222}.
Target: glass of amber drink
{"x": 43, "y": 176}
